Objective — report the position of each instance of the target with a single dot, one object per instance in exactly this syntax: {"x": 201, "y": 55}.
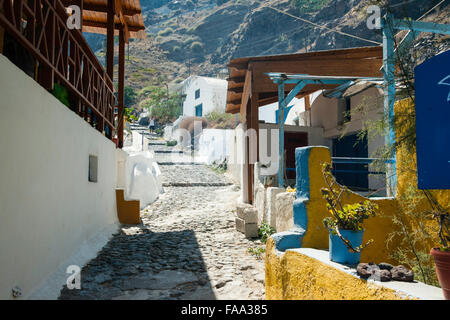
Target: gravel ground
{"x": 185, "y": 248}
{"x": 184, "y": 175}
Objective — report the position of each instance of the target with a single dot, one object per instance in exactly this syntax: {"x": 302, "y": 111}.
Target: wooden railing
{"x": 62, "y": 56}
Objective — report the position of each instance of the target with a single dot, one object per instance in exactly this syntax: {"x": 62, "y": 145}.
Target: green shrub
{"x": 130, "y": 97}
{"x": 265, "y": 231}
{"x": 256, "y": 252}
{"x": 171, "y": 143}
{"x": 344, "y": 216}
{"x": 304, "y": 6}
{"x": 62, "y": 94}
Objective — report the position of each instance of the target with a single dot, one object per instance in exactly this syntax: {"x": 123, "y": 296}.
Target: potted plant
{"x": 441, "y": 254}
{"x": 346, "y": 222}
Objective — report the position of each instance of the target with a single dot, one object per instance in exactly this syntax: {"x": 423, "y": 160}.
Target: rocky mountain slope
{"x": 201, "y": 36}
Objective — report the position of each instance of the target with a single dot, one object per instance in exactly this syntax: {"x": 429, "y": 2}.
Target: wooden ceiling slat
{"x": 102, "y": 25}
{"x": 128, "y": 14}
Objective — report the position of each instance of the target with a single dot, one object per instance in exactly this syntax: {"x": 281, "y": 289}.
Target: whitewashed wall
{"x": 213, "y": 95}
{"x": 267, "y": 113}
{"x": 51, "y": 215}
{"x": 214, "y": 145}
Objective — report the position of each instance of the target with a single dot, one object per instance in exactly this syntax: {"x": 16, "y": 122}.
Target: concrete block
{"x": 249, "y": 215}
{"x": 283, "y": 215}
{"x": 271, "y": 210}
{"x": 260, "y": 203}
{"x": 250, "y": 230}
{"x": 241, "y": 207}
{"x": 240, "y": 225}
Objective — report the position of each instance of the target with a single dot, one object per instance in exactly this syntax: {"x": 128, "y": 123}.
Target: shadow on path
{"x": 140, "y": 264}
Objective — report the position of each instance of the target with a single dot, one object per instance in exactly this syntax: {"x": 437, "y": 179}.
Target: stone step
{"x": 168, "y": 151}
{"x": 196, "y": 184}
{"x": 164, "y": 163}
{"x": 250, "y": 230}
{"x": 247, "y": 212}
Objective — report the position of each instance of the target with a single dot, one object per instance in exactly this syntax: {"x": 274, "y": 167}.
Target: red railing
{"x": 62, "y": 56}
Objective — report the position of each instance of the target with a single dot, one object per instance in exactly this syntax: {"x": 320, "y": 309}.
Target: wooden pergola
{"x": 113, "y": 17}
{"x": 249, "y": 86}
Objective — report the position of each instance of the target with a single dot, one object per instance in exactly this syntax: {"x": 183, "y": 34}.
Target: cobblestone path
{"x": 185, "y": 248}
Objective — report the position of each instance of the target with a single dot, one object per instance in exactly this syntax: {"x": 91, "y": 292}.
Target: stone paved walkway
{"x": 185, "y": 248}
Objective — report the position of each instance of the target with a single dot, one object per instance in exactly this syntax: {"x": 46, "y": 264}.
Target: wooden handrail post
{"x": 121, "y": 85}
{"x": 110, "y": 41}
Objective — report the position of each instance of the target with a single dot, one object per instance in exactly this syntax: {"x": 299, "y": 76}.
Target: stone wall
{"x": 282, "y": 211}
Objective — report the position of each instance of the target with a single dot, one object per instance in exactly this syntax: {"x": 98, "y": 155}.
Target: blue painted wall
{"x": 432, "y": 84}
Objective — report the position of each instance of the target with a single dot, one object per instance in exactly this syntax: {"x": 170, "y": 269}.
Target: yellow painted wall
{"x": 294, "y": 276}
{"x": 376, "y": 228}
{"x": 407, "y": 180}
{"x": 380, "y": 227}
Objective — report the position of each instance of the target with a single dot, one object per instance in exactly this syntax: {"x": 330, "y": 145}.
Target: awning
{"x": 127, "y": 13}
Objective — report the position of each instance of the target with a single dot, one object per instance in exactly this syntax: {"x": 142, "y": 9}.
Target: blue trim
{"x": 287, "y": 240}
{"x": 285, "y": 113}
{"x": 389, "y": 91}
{"x": 199, "y": 110}
{"x": 281, "y": 106}
{"x": 293, "y": 238}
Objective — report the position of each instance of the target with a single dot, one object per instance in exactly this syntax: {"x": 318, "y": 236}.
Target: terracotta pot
{"x": 442, "y": 262}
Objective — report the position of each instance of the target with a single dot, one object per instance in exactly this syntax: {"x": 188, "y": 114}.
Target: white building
{"x": 204, "y": 95}
{"x": 269, "y": 113}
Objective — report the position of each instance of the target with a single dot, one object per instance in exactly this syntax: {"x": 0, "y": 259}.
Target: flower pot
{"x": 442, "y": 262}
{"x": 339, "y": 251}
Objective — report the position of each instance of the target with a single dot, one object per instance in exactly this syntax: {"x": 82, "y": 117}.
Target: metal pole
{"x": 389, "y": 98}
{"x": 281, "y": 107}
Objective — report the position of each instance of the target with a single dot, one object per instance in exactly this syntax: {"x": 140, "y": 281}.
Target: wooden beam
{"x": 254, "y": 119}
{"x": 126, "y": 32}
{"x": 235, "y": 102}
{"x": 121, "y": 88}
{"x": 249, "y": 166}
{"x": 308, "y": 108}
{"x": 246, "y": 93}
{"x": 2, "y": 38}
{"x": 117, "y": 6}
{"x": 238, "y": 66}
{"x": 332, "y": 67}
{"x": 103, "y": 25}
{"x": 233, "y": 108}
{"x": 236, "y": 79}
{"x": 103, "y": 8}
{"x": 307, "y": 103}
{"x": 236, "y": 90}
{"x": 110, "y": 41}
{"x": 352, "y": 53}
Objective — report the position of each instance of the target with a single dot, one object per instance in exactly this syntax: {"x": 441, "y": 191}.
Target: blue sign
{"x": 432, "y": 84}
